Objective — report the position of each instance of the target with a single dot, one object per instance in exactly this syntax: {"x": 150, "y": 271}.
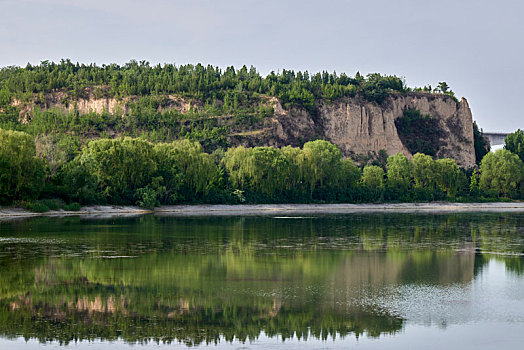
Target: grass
{"x": 45, "y": 205}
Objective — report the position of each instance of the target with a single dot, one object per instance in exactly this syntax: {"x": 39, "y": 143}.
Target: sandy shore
{"x": 272, "y": 209}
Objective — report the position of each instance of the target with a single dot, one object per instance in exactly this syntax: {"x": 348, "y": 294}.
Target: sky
{"x": 476, "y": 46}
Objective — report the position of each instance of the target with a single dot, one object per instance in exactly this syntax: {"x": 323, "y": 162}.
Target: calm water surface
{"x": 362, "y": 281}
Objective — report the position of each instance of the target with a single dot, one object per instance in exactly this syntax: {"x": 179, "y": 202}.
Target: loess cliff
{"x": 361, "y": 129}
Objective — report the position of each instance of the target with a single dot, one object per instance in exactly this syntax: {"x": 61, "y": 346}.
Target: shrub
{"x": 419, "y": 133}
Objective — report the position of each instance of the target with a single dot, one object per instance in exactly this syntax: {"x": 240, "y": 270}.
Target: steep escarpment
{"x": 360, "y": 128}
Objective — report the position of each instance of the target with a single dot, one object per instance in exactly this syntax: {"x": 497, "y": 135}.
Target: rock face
{"x": 360, "y": 127}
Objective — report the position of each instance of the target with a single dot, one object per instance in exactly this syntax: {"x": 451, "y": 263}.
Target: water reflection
{"x": 198, "y": 280}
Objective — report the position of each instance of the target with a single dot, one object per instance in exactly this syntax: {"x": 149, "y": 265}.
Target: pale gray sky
{"x": 476, "y": 46}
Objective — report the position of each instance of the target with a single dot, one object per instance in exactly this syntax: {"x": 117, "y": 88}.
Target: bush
{"x": 37, "y": 207}
{"x": 419, "y": 133}
{"x": 73, "y": 206}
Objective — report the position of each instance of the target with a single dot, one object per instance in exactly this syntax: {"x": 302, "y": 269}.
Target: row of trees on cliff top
{"x": 206, "y": 83}
{"x": 135, "y": 171}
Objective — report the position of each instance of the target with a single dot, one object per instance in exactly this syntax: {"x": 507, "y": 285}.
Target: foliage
{"x": 373, "y": 177}
{"x": 448, "y": 177}
{"x": 423, "y": 171}
{"x": 21, "y": 172}
{"x": 481, "y": 143}
{"x": 419, "y": 133}
{"x": 149, "y": 197}
{"x": 502, "y": 172}
{"x": 187, "y": 172}
{"x": 474, "y": 184}
{"x": 134, "y": 171}
{"x": 400, "y": 172}
{"x": 514, "y": 143}
{"x": 206, "y": 83}
{"x": 122, "y": 166}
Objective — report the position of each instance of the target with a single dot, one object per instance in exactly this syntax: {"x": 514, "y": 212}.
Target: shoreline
{"x": 270, "y": 209}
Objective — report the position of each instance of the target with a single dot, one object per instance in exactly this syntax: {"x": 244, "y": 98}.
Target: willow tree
{"x": 122, "y": 166}
{"x": 423, "y": 171}
{"x": 322, "y": 166}
{"x": 21, "y": 172}
{"x": 502, "y": 173}
{"x": 295, "y": 185}
{"x": 448, "y": 176}
{"x": 187, "y": 171}
{"x": 260, "y": 169}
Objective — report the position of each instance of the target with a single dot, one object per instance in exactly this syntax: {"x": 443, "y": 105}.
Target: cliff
{"x": 360, "y": 128}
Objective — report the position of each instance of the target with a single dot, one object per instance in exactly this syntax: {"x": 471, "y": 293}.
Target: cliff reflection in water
{"x": 197, "y": 279}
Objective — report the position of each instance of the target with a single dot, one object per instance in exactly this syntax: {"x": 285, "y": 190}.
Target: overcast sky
{"x": 476, "y": 46}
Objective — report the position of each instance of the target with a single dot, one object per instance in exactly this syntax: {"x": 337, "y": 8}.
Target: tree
{"x": 21, "y": 172}
{"x": 423, "y": 171}
{"x": 261, "y": 169}
{"x": 122, "y": 166}
{"x": 443, "y": 87}
{"x": 480, "y": 142}
{"x": 187, "y": 172}
{"x": 79, "y": 182}
{"x": 502, "y": 173}
{"x": 474, "y": 185}
{"x": 372, "y": 177}
{"x": 447, "y": 176}
{"x": 322, "y": 164}
{"x": 515, "y": 143}
{"x": 399, "y": 172}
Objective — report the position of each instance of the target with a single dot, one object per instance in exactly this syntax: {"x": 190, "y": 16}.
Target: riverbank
{"x": 271, "y": 209}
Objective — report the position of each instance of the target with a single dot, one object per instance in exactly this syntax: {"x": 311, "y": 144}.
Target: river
{"x": 362, "y": 281}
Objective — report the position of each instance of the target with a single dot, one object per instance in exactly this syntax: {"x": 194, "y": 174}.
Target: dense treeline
{"x": 212, "y": 92}
{"x": 206, "y": 83}
{"x": 135, "y": 171}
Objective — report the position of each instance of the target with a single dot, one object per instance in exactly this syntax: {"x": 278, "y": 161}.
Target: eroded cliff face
{"x": 359, "y": 127}
{"x": 92, "y": 104}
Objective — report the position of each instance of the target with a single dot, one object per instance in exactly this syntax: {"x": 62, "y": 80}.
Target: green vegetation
{"x": 420, "y": 133}
{"x": 21, "y": 172}
{"x": 166, "y": 140}
{"x": 208, "y": 84}
{"x": 163, "y": 103}
{"x": 133, "y": 171}
{"x": 502, "y": 173}
{"x": 515, "y": 143}
{"x": 442, "y": 88}
{"x": 481, "y": 143}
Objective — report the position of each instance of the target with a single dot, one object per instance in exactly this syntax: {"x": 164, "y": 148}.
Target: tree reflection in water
{"x": 196, "y": 280}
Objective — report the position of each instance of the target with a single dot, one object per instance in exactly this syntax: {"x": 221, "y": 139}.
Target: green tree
{"x": 474, "y": 185}
{"x": 260, "y": 169}
{"x": 447, "y": 176}
{"x": 78, "y": 181}
{"x": 322, "y": 164}
{"x": 480, "y": 142}
{"x": 423, "y": 171}
{"x": 443, "y": 87}
{"x": 122, "y": 166}
{"x": 188, "y": 172}
{"x": 515, "y": 143}
{"x": 501, "y": 172}
{"x": 399, "y": 172}
{"x": 21, "y": 172}
{"x": 372, "y": 177}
